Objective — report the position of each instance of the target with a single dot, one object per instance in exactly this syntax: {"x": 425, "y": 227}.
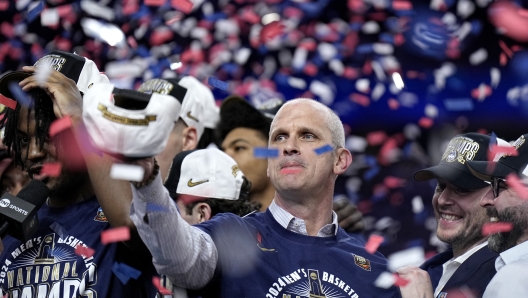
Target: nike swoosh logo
{"x": 192, "y": 117}
{"x": 193, "y": 184}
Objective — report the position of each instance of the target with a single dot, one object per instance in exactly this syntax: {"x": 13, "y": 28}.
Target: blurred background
{"x": 404, "y": 76}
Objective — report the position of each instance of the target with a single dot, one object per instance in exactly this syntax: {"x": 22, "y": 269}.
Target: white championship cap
{"x": 128, "y": 122}
{"x": 201, "y": 93}
{"x": 207, "y": 173}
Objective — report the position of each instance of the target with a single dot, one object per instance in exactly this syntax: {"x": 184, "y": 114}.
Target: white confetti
{"x": 378, "y": 91}
{"x": 337, "y": 66}
{"x": 385, "y": 280}
{"x": 363, "y": 85}
{"x": 326, "y": 51}
{"x": 356, "y": 143}
{"x": 297, "y": 83}
{"x": 495, "y": 75}
{"x": 242, "y": 56}
{"x": 127, "y": 172}
{"x": 370, "y": 27}
{"x": 431, "y": 110}
{"x": 49, "y": 17}
{"x": 299, "y": 58}
{"x": 414, "y": 256}
{"x": 417, "y": 204}
{"x": 383, "y": 48}
{"x": 465, "y": 8}
{"x": 42, "y": 73}
{"x": 478, "y": 56}
{"x": 97, "y": 10}
{"x": 323, "y": 91}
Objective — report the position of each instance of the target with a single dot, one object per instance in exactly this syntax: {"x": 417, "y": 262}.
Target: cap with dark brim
{"x": 453, "y": 175}
{"x": 15, "y": 76}
{"x": 480, "y": 169}
{"x": 237, "y": 112}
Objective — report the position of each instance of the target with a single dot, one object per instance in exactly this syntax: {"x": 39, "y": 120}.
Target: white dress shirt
{"x": 452, "y": 265}
{"x": 512, "y": 271}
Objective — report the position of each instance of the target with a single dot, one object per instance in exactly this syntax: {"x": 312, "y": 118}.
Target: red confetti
{"x": 60, "y": 125}
{"x": 188, "y": 199}
{"x": 400, "y": 281}
{"x": 514, "y": 182}
{"x": 184, "y": 6}
{"x": 84, "y": 251}
{"x": 8, "y": 102}
{"x": 271, "y": 30}
{"x": 115, "y": 235}
{"x": 310, "y": 69}
{"x": 425, "y": 122}
{"x": 373, "y": 243}
{"x": 154, "y": 2}
{"x": 259, "y": 238}
{"x": 481, "y": 92}
{"x": 402, "y": 5}
{"x": 51, "y": 169}
{"x": 503, "y": 59}
{"x": 360, "y": 99}
{"x": 505, "y": 48}
{"x": 496, "y": 227}
{"x": 393, "y": 182}
{"x": 376, "y": 138}
{"x": 132, "y": 42}
{"x": 494, "y": 150}
{"x": 393, "y": 104}
{"x": 64, "y": 10}
{"x": 4, "y": 5}
{"x": 157, "y": 284}
{"x": 350, "y": 73}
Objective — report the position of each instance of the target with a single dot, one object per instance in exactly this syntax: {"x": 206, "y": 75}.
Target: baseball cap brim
{"x": 15, "y": 76}
{"x": 453, "y": 175}
{"x": 481, "y": 169}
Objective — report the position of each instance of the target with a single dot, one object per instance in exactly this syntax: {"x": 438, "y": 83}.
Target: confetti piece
{"x": 157, "y": 284}
{"x": 496, "y": 227}
{"x": 373, "y": 243}
{"x": 84, "y": 251}
{"x": 411, "y": 256}
{"x": 60, "y": 125}
{"x": 51, "y": 169}
{"x": 263, "y": 152}
{"x": 324, "y": 149}
{"x": 417, "y": 204}
{"x": 214, "y": 82}
{"x": 42, "y": 73}
{"x": 393, "y": 182}
{"x": 402, "y": 5}
{"x": 35, "y": 12}
{"x": 514, "y": 182}
{"x": 458, "y": 104}
{"x": 425, "y": 122}
{"x": 115, "y": 235}
{"x": 59, "y": 230}
{"x": 8, "y": 102}
{"x": 154, "y": 2}
{"x": 127, "y": 172}
{"x": 125, "y": 272}
{"x": 385, "y": 280}
{"x": 400, "y": 281}
{"x": 376, "y": 138}
{"x": 495, "y": 152}
{"x": 20, "y": 96}
{"x": 360, "y": 99}
{"x": 49, "y": 17}
{"x": 184, "y": 6}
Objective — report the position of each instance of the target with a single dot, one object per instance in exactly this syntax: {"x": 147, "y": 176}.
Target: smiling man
{"x": 295, "y": 248}
{"x": 507, "y": 205}
{"x": 456, "y": 202}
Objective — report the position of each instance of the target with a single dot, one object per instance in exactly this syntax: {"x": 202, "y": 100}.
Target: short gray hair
{"x": 331, "y": 120}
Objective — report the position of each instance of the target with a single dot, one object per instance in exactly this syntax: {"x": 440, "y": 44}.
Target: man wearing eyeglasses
{"x": 468, "y": 263}
{"x": 507, "y": 205}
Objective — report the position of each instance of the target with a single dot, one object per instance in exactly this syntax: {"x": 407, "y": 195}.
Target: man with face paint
{"x": 507, "y": 204}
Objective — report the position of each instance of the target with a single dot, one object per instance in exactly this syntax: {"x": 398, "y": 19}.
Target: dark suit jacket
{"x": 475, "y": 273}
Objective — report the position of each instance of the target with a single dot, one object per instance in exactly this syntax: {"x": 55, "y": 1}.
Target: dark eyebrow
{"x": 236, "y": 141}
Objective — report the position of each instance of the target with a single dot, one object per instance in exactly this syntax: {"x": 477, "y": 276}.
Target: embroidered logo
{"x": 100, "y": 216}
{"x": 193, "y": 184}
{"x": 362, "y": 262}
{"x": 235, "y": 169}
{"x": 192, "y": 117}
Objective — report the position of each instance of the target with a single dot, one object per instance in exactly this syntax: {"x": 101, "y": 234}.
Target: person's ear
{"x": 203, "y": 211}
{"x": 190, "y": 138}
{"x": 342, "y": 161}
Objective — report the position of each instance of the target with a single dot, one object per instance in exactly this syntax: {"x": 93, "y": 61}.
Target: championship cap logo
{"x": 362, "y": 262}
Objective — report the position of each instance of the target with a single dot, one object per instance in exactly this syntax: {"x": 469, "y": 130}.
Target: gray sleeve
{"x": 185, "y": 254}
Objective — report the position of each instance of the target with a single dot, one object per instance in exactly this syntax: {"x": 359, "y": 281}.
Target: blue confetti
{"x": 214, "y": 82}
{"x": 365, "y": 49}
{"x": 156, "y": 208}
{"x": 19, "y": 95}
{"x": 35, "y": 12}
{"x": 324, "y": 149}
{"x": 371, "y": 173}
{"x": 265, "y": 152}
{"x": 459, "y": 104}
{"x": 125, "y": 272}
{"x": 59, "y": 230}
{"x": 493, "y": 139}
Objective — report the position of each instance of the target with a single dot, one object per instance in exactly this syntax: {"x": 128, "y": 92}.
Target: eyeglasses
{"x": 497, "y": 184}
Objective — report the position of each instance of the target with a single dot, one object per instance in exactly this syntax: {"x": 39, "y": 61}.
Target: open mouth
{"x": 450, "y": 217}
{"x": 35, "y": 173}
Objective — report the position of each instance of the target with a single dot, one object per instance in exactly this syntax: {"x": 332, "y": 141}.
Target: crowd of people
{"x": 254, "y": 217}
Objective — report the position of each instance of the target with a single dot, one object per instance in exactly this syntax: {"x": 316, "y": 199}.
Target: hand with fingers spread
{"x": 419, "y": 285}
{"x": 66, "y": 97}
{"x": 349, "y": 217}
